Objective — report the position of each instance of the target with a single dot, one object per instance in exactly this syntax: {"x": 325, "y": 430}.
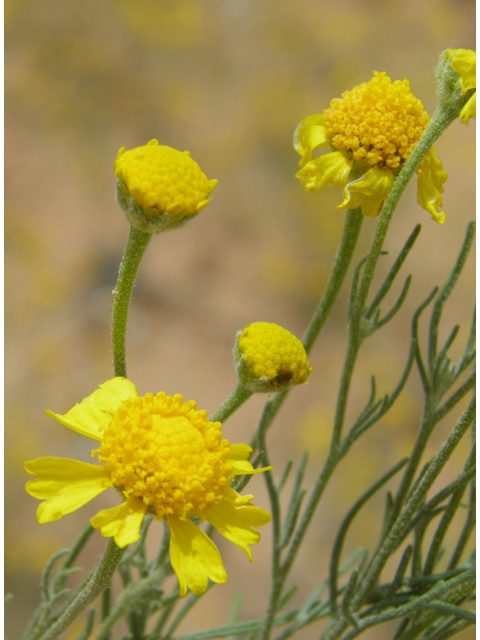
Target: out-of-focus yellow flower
{"x": 165, "y": 458}
{"x": 464, "y": 62}
{"x": 371, "y": 131}
{"x": 268, "y": 358}
{"x": 159, "y": 188}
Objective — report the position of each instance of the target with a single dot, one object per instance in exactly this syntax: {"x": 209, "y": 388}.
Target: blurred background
{"x": 228, "y": 80}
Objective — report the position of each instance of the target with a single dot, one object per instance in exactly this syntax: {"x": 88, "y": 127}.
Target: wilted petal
{"x": 464, "y": 62}
{"x": 310, "y": 135}
{"x": 332, "y": 168}
{"x": 368, "y": 192}
{"x": 469, "y": 110}
{"x": 431, "y": 178}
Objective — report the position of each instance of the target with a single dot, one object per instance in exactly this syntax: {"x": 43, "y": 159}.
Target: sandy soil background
{"x": 228, "y": 80}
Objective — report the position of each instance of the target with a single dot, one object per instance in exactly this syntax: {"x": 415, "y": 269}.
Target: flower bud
{"x": 160, "y": 188}
{"x": 269, "y": 358}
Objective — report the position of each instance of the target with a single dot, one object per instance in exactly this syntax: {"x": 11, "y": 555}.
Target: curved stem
{"x": 136, "y": 245}
{"x": 99, "y": 581}
{"x": 238, "y": 396}
{"x": 437, "y": 125}
{"x": 343, "y": 258}
{"x": 348, "y": 242}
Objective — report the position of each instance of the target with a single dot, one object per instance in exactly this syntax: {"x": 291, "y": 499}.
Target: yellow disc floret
{"x": 269, "y": 358}
{"x": 379, "y": 122}
{"x": 161, "y": 185}
{"x": 163, "y": 178}
{"x": 165, "y": 452}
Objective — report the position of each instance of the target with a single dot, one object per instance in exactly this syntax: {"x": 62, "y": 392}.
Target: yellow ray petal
{"x": 236, "y": 521}
{"x": 243, "y": 468}
{"x": 368, "y": 192}
{"x": 194, "y": 557}
{"x": 431, "y": 178}
{"x": 239, "y": 451}
{"x": 331, "y": 168}
{"x": 93, "y": 414}
{"x": 310, "y": 135}
{"x": 469, "y": 110}
{"x": 65, "y": 485}
{"x": 240, "y": 465}
{"x": 122, "y": 522}
{"x": 464, "y": 62}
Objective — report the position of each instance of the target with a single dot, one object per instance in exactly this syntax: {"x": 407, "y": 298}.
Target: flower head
{"x": 464, "y": 62}
{"x": 160, "y": 188}
{"x": 164, "y": 458}
{"x": 269, "y": 358}
{"x": 371, "y": 131}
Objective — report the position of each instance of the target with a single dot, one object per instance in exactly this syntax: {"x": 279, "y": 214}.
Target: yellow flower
{"x": 164, "y": 458}
{"x": 464, "y": 62}
{"x": 370, "y": 132}
{"x": 269, "y": 358}
{"x": 159, "y": 187}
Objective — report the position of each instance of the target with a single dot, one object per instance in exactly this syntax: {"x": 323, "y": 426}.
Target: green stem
{"x": 106, "y": 603}
{"x": 136, "y": 245}
{"x": 426, "y": 429}
{"x": 61, "y": 577}
{"x": 277, "y": 571}
{"x": 343, "y": 258}
{"x": 351, "y": 231}
{"x": 440, "y": 121}
{"x": 354, "y": 342}
{"x": 99, "y": 581}
{"x": 238, "y": 396}
{"x": 390, "y": 543}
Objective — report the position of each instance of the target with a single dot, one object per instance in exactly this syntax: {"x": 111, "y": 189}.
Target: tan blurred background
{"x": 228, "y": 80}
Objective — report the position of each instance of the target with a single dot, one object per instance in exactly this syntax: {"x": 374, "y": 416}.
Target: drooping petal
{"x": 65, "y": 485}
{"x": 464, "y": 61}
{"x": 122, "y": 522}
{"x": 238, "y": 460}
{"x": 194, "y": 557}
{"x": 469, "y": 110}
{"x": 236, "y": 522}
{"x": 431, "y": 178}
{"x": 368, "y": 192}
{"x": 310, "y": 135}
{"x": 331, "y": 168}
{"x": 93, "y": 414}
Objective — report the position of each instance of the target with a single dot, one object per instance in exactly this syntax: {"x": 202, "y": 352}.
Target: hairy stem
{"x": 136, "y": 245}
{"x": 99, "y": 581}
{"x": 440, "y": 121}
{"x": 238, "y": 396}
{"x": 343, "y": 259}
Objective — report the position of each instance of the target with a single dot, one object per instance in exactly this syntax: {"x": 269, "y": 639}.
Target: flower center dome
{"x": 378, "y": 122}
{"x": 160, "y": 449}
